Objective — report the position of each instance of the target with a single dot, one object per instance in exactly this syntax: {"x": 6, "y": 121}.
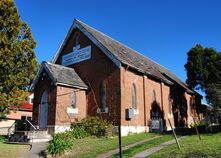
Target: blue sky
{"x": 163, "y": 30}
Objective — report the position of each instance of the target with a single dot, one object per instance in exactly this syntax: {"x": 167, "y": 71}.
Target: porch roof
{"x": 60, "y": 75}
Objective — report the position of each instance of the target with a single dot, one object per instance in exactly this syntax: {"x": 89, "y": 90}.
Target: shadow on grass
{"x": 141, "y": 147}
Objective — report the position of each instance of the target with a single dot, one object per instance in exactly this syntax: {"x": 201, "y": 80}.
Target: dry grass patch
{"x": 13, "y": 150}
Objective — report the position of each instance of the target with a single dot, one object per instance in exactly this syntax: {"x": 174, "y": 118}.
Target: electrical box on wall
{"x": 129, "y": 113}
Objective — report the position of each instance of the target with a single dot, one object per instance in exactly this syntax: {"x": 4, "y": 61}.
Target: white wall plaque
{"x": 72, "y": 110}
{"x": 77, "y": 56}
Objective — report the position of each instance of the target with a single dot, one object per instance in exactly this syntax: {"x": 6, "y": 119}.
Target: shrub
{"x": 2, "y": 138}
{"x": 59, "y": 143}
{"x": 79, "y": 129}
{"x": 198, "y": 123}
{"x": 94, "y": 126}
{"x": 63, "y": 141}
{"x": 78, "y": 124}
{"x": 78, "y": 132}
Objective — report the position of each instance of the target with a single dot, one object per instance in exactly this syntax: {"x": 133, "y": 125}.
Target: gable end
{"x": 75, "y": 25}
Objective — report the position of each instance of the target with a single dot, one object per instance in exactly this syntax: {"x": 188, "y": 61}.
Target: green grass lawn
{"x": 192, "y": 147}
{"x": 139, "y": 148}
{"x": 91, "y": 147}
{"x": 12, "y": 150}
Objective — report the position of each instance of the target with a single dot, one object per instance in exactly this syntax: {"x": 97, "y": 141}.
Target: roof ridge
{"x": 153, "y": 61}
{"x": 95, "y": 30}
{"x": 112, "y": 39}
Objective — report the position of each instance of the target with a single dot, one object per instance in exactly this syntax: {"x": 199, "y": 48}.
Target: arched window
{"x": 134, "y": 96}
{"x": 73, "y": 99}
{"x": 155, "y": 108}
{"x": 102, "y": 95}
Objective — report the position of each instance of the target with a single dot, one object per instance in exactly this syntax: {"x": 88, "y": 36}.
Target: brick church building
{"x": 92, "y": 74}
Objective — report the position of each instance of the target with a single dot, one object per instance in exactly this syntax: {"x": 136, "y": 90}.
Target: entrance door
{"x": 44, "y": 110}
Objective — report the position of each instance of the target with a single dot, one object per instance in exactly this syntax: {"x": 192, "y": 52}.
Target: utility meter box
{"x": 129, "y": 114}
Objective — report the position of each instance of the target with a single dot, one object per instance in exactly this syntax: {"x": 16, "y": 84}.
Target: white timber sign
{"x": 77, "y": 56}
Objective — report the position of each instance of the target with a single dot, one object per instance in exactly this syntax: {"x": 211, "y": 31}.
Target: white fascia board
{"x": 68, "y": 85}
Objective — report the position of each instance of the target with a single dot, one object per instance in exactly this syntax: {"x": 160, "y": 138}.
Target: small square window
{"x": 26, "y": 118}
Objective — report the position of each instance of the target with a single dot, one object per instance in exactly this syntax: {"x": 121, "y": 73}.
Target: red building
{"x": 93, "y": 74}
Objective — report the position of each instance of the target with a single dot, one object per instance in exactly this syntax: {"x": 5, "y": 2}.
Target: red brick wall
{"x": 188, "y": 96}
{"x": 127, "y": 80}
{"x": 153, "y": 86}
{"x": 167, "y": 101}
{"x": 64, "y": 102}
{"x": 93, "y": 71}
{"x": 145, "y": 95}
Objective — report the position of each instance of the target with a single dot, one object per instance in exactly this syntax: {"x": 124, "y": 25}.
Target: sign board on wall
{"x": 77, "y": 56}
{"x": 155, "y": 124}
{"x": 72, "y": 110}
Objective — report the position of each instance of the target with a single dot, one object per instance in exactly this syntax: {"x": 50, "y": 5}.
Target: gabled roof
{"x": 120, "y": 54}
{"x": 60, "y": 75}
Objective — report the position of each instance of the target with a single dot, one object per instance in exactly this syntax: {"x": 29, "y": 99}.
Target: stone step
{"x": 35, "y": 140}
{"x": 30, "y": 136}
{"x": 39, "y": 136}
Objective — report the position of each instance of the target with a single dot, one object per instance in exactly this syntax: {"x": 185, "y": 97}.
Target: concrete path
{"x": 115, "y": 151}
{"x": 37, "y": 150}
{"x": 150, "y": 151}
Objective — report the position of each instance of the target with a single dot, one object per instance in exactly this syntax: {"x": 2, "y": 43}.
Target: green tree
{"x": 17, "y": 58}
{"x": 194, "y": 67}
{"x": 204, "y": 72}
{"x": 214, "y": 94}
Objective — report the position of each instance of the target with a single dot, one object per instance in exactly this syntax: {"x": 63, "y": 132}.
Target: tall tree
{"x": 204, "y": 72}
{"x": 17, "y": 58}
{"x": 214, "y": 94}
{"x": 194, "y": 67}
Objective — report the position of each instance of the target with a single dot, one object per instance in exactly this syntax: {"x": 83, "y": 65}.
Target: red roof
{"x": 26, "y": 106}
